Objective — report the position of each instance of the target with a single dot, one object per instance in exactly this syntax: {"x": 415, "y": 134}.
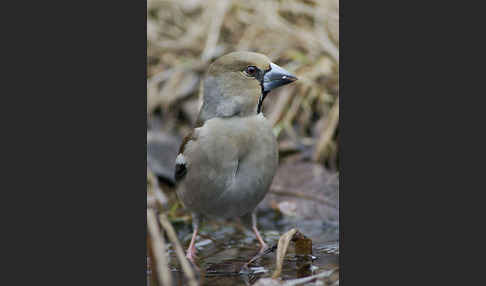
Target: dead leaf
{"x": 303, "y": 245}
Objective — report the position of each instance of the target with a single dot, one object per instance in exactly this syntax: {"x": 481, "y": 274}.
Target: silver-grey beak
{"x": 275, "y": 77}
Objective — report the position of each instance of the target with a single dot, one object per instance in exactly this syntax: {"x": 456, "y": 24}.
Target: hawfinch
{"x": 226, "y": 164}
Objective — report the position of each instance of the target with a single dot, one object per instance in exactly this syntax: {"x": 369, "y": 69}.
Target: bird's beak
{"x": 276, "y": 77}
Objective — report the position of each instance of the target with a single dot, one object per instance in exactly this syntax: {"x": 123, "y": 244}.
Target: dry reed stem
{"x": 184, "y": 36}
{"x": 326, "y": 135}
{"x": 186, "y": 267}
{"x": 159, "y": 249}
{"x": 220, "y": 7}
{"x": 282, "y": 104}
{"x": 154, "y": 192}
{"x": 295, "y": 106}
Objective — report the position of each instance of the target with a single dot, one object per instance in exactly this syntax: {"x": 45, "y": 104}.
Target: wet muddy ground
{"x": 223, "y": 247}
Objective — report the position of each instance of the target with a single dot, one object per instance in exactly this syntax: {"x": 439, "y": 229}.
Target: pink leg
{"x": 191, "y": 250}
{"x": 263, "y": 245}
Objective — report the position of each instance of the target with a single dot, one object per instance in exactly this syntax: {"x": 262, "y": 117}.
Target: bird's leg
{"x": 191, "y": 250}
{"x": 263, "y": 245}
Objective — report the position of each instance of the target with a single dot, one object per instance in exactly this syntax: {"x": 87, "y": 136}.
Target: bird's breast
{"x": 232, "y": 165}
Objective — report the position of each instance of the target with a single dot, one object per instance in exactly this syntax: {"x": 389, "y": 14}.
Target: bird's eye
{"x": 251, "y": 70}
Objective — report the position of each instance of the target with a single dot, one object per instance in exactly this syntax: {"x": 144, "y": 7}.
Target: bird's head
{"x": 236, "y": 84}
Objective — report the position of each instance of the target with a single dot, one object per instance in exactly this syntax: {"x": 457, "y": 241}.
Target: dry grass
{"x": 302, "y": 36}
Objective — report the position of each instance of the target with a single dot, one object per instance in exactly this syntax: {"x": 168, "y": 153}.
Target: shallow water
{"x": 224, "y": 247}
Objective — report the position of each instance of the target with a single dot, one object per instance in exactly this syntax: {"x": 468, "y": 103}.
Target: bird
{"x": 226, "y": 164}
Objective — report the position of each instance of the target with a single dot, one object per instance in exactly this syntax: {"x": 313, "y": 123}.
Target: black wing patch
{"x": 180, "y": 172}
{"x": 180, "y": 168}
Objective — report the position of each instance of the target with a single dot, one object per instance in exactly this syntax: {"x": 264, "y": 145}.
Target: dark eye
{"x": 251, "y": 70}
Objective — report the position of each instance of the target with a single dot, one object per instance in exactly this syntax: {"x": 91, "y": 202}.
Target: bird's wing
{"x": 181, "y": 163}
{"x": 219, "y": 154}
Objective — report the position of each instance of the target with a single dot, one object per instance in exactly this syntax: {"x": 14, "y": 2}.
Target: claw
{"x": 263, "y": 247}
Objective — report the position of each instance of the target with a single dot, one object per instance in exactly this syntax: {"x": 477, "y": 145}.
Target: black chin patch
{"x": 264, "y": 93}
{"x": 260, "y": 101}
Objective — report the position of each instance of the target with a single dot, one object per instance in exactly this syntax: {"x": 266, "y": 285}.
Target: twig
{"x": 159, "y": 249}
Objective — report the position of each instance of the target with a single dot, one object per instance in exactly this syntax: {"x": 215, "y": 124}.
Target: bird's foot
{"x": 191, "y": 253}
{"x": 263, "y": 247}
{"x": 191, "y": 256}
{"x": 191, "y": 250}
{"x": 264, "y": 250}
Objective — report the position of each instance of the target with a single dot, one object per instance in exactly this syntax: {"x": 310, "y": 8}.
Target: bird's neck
{"x": 228, "y": 110}
{"x": 218, "y": 103}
